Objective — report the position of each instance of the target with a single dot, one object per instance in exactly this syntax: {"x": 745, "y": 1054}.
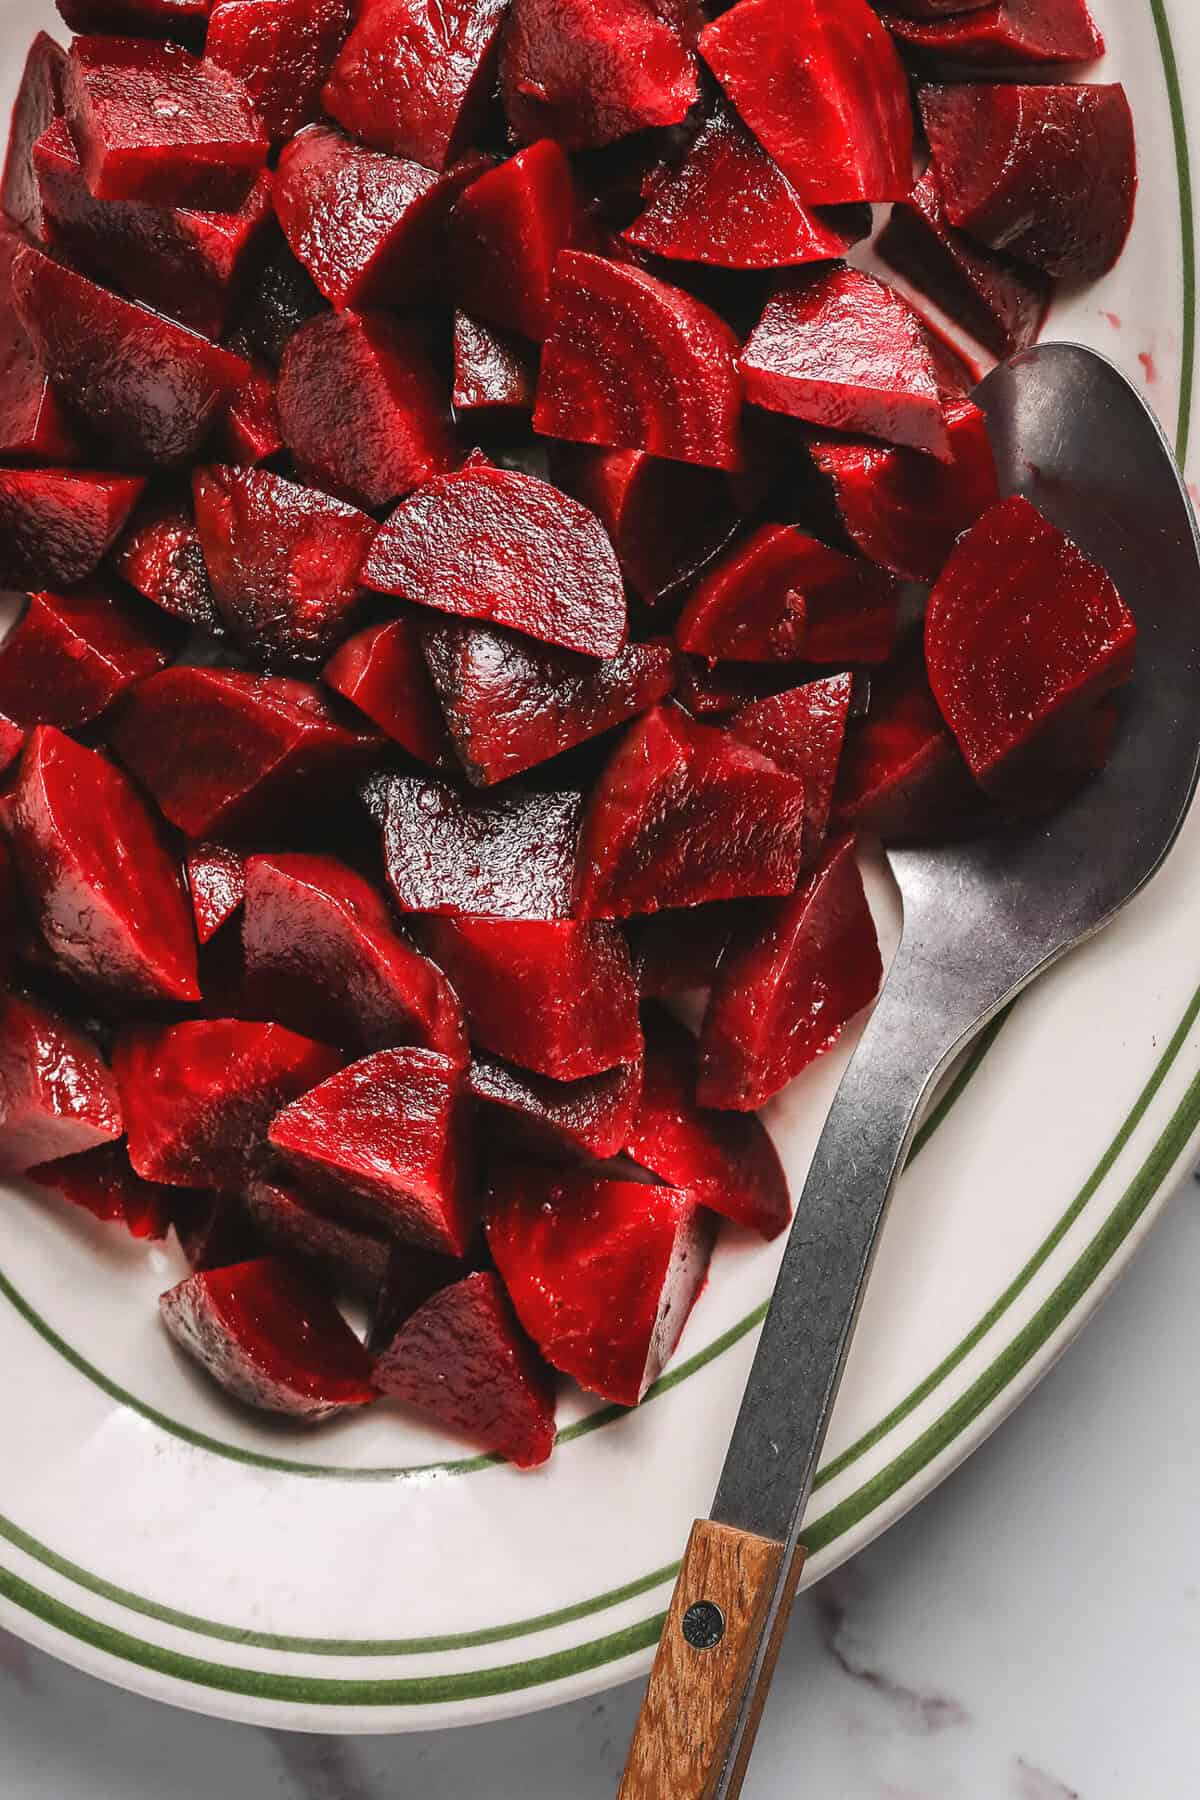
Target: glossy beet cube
{"x": 1023, "y": 637}
{"x": 108, "y": 897}
{"x": 39, "y": 102}
{"x": 556, "y": 996}
{"x": 159, "y": 555}
{"x": 103, "y": 1183}
{"x": 495, "y": 544}
{"x": 33, "y": 422}
{"x": 225, "y": 752}
{"x": 387, "y": 1139}
{"x": 183, "y": 19}
{"x": 507, "y": 230}
{"x": 590, "y": 1117}
{"x": 382, "y": 670}
{"x": 802, "y": 731}
{"x": 463, "y": 1360}
{"x": 281, "y": 51}
{"x": 495, "y": 372}
{"x": 788, "y": 983}
{"x": 820, "y": 85}
{"x": 57, "y": 1097}
{"x": 635, "y": 363}
{"x": 293, "y": 1224}
{"x": 361, "y": 407}
{"x": 1007, "y": 34}
{"x": 272, "y": 1338}
{"x": 72, "y": 654}
{"x": 321, "y": 954}
{"x": 684, "y": 814}
{"x": 678, "y": 949}
{"x": 56, "y": 524}
{"x": 602, "y": 1273}
{"x": 216, "y": 876}
{"x": 902, "y": 775}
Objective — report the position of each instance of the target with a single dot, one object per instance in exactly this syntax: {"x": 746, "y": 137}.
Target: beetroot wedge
{"x": 159, "y": 555}
{"x": 295, "y": 1225}
{"x": 683, "y": 814}
{"x": 39, "y": 102}
{"x": 56, "y": 524}
{"x": 902, "y": 775}
{"x": 603, "y": 1274}
{"x": 57, "y": 1097}
{"x": 322, "y": 956}
{"x": 557, "y": 996}
{"x": 281, "y": 51}
{"x": 108, "y": 898}
{"x": 495, "y": 544}
{"x": 1024, "y": 637}
{"x": 802, "y": 731}
{"x": 72, "y": 654}
{"x": 821, "y": 87}
{"x": 216, "y": 876}
{"x": 251, "y": 432}
{"x": 495, "y": 373}
{"x": 33, "y": 422}
{"x": 632, "y": 362}
{"x": 382, "y": 670}
{"x": 1007, "y": 34}
{"x": 463, "y": 1360}
{"x": 508, "y": 227}
{"x": 387, "y": 1139}
{"x": 788, "y": 983}
{"x": 272, "y": 1338}
{"x": 589, "y": 1117}
{"x": 103, "y": 1183}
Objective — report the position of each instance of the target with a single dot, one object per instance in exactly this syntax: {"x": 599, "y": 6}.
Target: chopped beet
{"x": 633, "y": 362}
{"x": 557, "y": 996}
{"x": 57, "y": 1097}
{"x": 33, "y": 423}
{"x": 144, "y": 18}
{"x": 590, "y": 1117}
{"x": 387, "y": 1138}
{"x": 904, "y": 510}
{"x": 214, "y": 1230}
{"x": 72, "y": 654}
{"x": 198, "y": 1097}
{"x": 226, "y": 752}
{"x": 153, "y": 123}
{"x": 712, "y": 690}
{"x": 413, "y": 1277}
{"x": 821, "y": 87}
{"x": 281, "y": 51}
{"x": 160, "y": 556}
{"x": 108, "y": 897}
{"x": 495, "y": 373}
{"x": 602, "y": 1273}
{"x": 679, "y": 948}
{"x": 103, "y": 1183}
{"x": 840, "y": 349}
{"x": 294, "y": 1224}
{"x": 251, "y": 432}
{"x": 1007, "y": 34}
{"x": 511, "y": 856}
{"x": 779, "y": 595}
{"x": 270, "y": 1337}
{"x": 217, "y": 879}
{"x": 463, "y": 1359}
{"x": 361, "y": 407}
{"x": 586, "y": 74}
{"x": 148, "y": 387}
{"x": 1023, "y": 637}
{"x": 383, "y": 672}
{"x": 683, "y": 814}
{"x": 39, "y": 102}
{"x": 791, "y": 978}
{"x": 495, "y": 544}
{"x": 414, "y": 76}
{"x": 56, "y": 524}
{"x": 283, "y": 560}
{"x": 281, "y": 299}
{"x": 12, "y": 742}
{"x": 508, "y": 227}
{"x": 802, "y": 731}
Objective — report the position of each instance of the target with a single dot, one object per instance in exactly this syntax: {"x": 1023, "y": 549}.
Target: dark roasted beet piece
{"x": 495, "y": 372}
{"x": 183, "y": 19}
{"x": 160, "y": 555}
{"x": 840, "y": 349}
{"x": 72, "y": 654}
{"x": 507, "y": 229}
{"x": 281, "y": 51}
{"x": 557, "y": 997}
{"x": 294, "y": 1224}
{"x": 39, "y": 102}
{"x": 495, "y": 544}
{"x": 270, "y": 1337}
{"x": 1007, "y": 34}
{"x": 635, "y": 363}
{"x": 217, "y": 879}
{"x": 57, "y": 1098}
{"x": 589, "y": 1117}
{"x": 251, "y": 431}
{"x": 321, "y": 954}
{"x": 56, "y": 524}
{"x": 902, "y": 775}
{"x": 383, "y": 672}
{"x": 103, "y": 1182}
{"x": 361, "y": 407}
{"x": 511, "y": 856}
{"x": 463, "y": 1359}
{"x": 678, "y": 949}
{"x": 33, "y": 423}
{"x": 230, "y": 753}
{"x": 108, "y": 898}
{"x": 280, "y": 300}
{"x": 1023, "y": 637}
{"x": 683, "y": 814}
{"x": 821, "y": 87}
{"x": 802, "y": 731}
{"x": 603, "y": 1274}
{"x": 387, "y": 1137}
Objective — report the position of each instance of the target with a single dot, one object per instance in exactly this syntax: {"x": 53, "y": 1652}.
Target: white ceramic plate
{"x": 375, "y": 1577}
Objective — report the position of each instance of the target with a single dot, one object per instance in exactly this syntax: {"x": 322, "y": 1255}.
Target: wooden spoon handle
{"x": 705, "y": 1660}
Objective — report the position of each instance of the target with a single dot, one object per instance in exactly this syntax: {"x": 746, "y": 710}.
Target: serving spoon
{"x": 982, "y": 919}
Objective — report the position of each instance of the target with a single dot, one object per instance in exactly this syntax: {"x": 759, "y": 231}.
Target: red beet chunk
{"x": 103, "y": 1183}
{"x": 252, "y": 431}
{"x": 227, "y": 753}
{"x": 160, "y": 556}
{"x": 902, "y": 775}
{"x": 589, "y": 1117}
{"x": 633, "y": 362}
{"x": 361, "y": 407}
{"x": 281, "y": 51}
{"x": 683, "y": 814}
{"x": 293, "y": 1224}
{"x": 838, "y": 348}
{"x": 108, "y": 897}
{"x": 39, "y": 102}
{"x": 271, "y": 1338}
{"x": 821, "y": 87}
{"x": 145, "y": 18}
{"x": 587, "y": 75}
{"x": 603, "y": 1274}
{"x": 217, "y": 880}
{"x": 463, "y": 1359}
{"x": 495, "y": 373}
{"x": 1046, "y": 173}
{"x": 387, "y": 1138}
{"x": 1007, "y": 34}
{"x": 414, "y": 76}
{"x": 1023, "y": 637}
{"x": 714, "y": 690}
{"x": 214, "y": 1230}
{"x": 557, "y": 996}
{"x": 494, "y": 544}
{"x": 57, "y": 1098}
{"x": 802, "y": 731}
{"x": 153, "y": 123}
{"x": 321, "y": 954}
{"x": 904, "y": 510}
{"x": 508, "y": 228}
{"x": 12, "y": 741}
{"x": 677, "y": 950}
{"x": 72, "y": 655}
{"x": 383, "y": 672}
{"x": 33, "y": 424}
{"x": 148, "y": 387}
{"x": 511, "y": 856}
{"x": 56, "y": 524}
{"x": 789, "y": 982}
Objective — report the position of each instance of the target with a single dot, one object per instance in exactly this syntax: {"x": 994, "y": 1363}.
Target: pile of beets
{"x": 477, "y": 528}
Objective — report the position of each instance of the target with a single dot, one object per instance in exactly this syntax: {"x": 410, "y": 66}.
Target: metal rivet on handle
{"x": 704, "y": 1625}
